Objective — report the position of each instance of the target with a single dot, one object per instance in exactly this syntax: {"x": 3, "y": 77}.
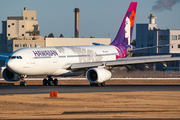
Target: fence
{"x": 133, "y": 74}
{"x": 147, "y": 74}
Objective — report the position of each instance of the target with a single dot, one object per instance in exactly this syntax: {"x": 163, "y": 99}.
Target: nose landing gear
{"x": 23, "y": 82}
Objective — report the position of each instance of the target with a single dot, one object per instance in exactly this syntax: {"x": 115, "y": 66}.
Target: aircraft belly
{"x": 46, "y": 67}
{"x": 70, "y": 73}
{"x": 39, "y": 67}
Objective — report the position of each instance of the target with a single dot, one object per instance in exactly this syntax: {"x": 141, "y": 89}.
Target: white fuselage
{"x": 51, "y": 60}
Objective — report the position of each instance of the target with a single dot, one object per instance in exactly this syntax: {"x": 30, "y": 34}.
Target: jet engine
{"x": 10, "y": 76}
{"x": 98, "y": 75}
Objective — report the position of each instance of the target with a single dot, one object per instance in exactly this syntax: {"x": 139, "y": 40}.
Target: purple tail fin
{"x": 125, "y": 32}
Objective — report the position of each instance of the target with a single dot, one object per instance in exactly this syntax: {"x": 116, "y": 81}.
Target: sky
{"x": 97, "y": 18}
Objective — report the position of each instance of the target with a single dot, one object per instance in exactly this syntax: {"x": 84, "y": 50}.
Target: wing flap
{"x": 82, "y": 65}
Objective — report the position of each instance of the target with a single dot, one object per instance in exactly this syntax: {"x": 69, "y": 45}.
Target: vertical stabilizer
{"x": 125, "y": 31}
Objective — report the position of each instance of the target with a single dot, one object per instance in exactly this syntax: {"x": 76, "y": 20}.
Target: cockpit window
{"x": 19, "y": 57}
{"x": 15, "y": 57}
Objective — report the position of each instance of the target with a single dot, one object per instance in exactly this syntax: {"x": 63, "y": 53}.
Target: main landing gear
{"x": 98, "y": 84}
{"x": 50, "y": 81}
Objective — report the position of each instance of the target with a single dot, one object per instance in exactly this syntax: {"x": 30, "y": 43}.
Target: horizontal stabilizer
{"x": 137, "y": 49}
{"x": 82, "y": 65}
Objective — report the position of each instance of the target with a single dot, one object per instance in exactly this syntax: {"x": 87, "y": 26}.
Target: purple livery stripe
{"x": 123, "y": 37}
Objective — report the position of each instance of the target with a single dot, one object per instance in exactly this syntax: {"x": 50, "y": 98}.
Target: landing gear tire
{"x": 98, "y": 84}
{"x": 23, "y": 83}
{"x": 45, "y": 81}
{"x": 50, "y": 81}
{"x": 91, "y": 84}
{"x": 55, "y": 82}
{"x": 103, "y": 84}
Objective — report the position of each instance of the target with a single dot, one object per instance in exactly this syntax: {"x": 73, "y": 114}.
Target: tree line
{"x": 52, "y": 35}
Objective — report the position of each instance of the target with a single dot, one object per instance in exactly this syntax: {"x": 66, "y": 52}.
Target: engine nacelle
{"x": 10, "y": 76}
{"x": 98, "y": 75}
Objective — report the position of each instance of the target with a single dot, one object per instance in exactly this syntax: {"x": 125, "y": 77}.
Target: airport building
{"x": 148, "y": 35}
{"x": 20, "y": 31}
{"x": 23, "y": 31}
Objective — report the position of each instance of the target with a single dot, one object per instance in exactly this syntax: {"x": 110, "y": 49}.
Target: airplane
{"x": 95, "y": 61}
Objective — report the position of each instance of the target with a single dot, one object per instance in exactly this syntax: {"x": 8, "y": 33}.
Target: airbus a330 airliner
{"x": 95, "y": 61}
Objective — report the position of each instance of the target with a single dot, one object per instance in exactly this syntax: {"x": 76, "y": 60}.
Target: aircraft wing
{"x": 82, "y": 65}
{"x": 4, "y": 56}
{"x": 123, "y": 62}
{"x": 141, "y": 61}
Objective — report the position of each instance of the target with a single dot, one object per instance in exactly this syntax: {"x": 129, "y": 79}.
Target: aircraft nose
{"x": 12, "y": 65}
{"x": 9, "y": 64}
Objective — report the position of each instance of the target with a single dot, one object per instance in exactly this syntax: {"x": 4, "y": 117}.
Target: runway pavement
{"x": 38, "y": 89}
{"x": 107, "y": 119}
